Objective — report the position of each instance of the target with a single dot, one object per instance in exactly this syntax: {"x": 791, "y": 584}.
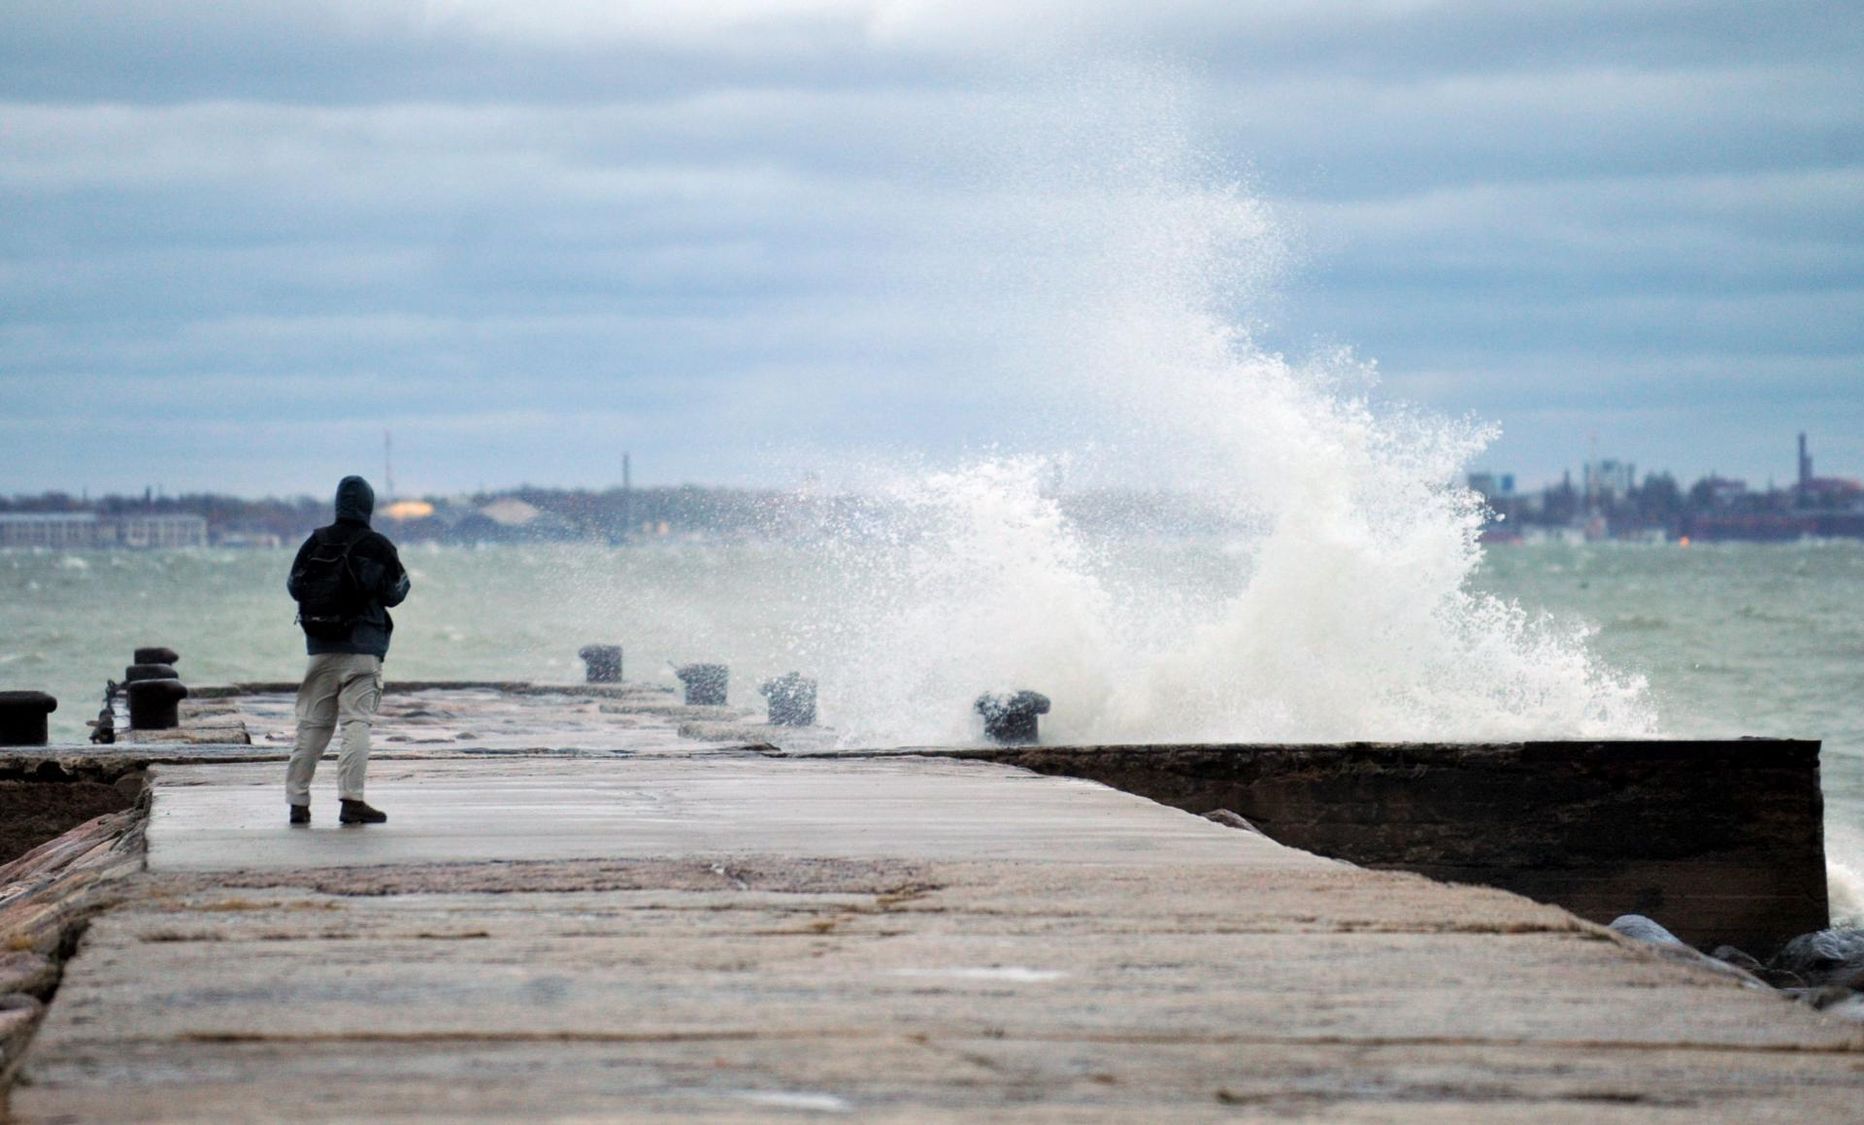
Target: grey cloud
{"x": 394, "y": 50}
{"x": 1341, "y": 137}
{"x": 881, "y": 213}
{"x": 344, "y": 51}
{"x": 1406, "y": 40}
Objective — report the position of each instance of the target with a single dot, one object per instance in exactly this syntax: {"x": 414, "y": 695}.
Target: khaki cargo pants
{"x": 339, "y": 689}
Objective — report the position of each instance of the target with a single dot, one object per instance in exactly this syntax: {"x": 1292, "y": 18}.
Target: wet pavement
{"x": 596, "y": 921}
{"x": 232, "y": 817}
{"x": 628, "y": 720}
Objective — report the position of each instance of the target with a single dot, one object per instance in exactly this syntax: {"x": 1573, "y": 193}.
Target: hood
{"x": 355, "y": 500}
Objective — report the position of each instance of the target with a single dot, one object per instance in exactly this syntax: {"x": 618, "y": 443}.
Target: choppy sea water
{"x": 1732, "y": 639}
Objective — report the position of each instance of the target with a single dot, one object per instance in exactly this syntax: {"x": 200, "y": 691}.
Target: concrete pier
{"x": 608, "y": 922}
{"x": 1724, "y": 838}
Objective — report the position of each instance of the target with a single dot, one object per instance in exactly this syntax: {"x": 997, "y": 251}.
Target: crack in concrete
{"x": 1003, "y": 1035}
{"x": 889, "y": 880}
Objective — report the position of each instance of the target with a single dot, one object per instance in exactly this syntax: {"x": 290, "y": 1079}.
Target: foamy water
{"x": 1330, "y": 632}
{"x": 1845, "y": 878}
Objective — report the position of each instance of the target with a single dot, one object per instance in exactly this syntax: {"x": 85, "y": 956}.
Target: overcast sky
{"x": 746, "y": 239}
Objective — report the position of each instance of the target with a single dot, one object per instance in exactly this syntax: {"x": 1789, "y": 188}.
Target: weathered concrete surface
{"x": 210, "y": 818}
{"x": 744, "y": 937}
{"x": 46, "y": 897}
{"x": 1722, "y": 840}
{"x": 595, "y": 718}
{"x": 431, "y": 720}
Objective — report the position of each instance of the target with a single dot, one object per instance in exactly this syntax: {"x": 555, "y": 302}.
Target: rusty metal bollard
{"x": 1010, "y": 718}
{"x": 23, "y": 719}
{"x": 157, "y": 654}
{"x": 155, "y": 704}
{"x": 604, "y": 663}
{"x": 705, "y": 684}
{"x": 792, "y": 699}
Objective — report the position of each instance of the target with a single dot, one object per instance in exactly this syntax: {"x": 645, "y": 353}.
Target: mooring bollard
{"x": 705, "y": 684}
{"x": 140, "y": 671}
{"x": 1010, "y": 718}
{"x": 155, "y": 704}
{"x": 604, "y": 663}
{"x": 157, "y": 654}
{"x": 792, "y": 700}
{"x": 23, "y": 719}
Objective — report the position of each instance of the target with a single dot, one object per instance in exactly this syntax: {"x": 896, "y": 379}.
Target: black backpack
{"x": 330, "y": 599}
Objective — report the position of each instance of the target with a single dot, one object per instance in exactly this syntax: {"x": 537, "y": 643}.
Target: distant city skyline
{"x": 1615, "y": 472}
{"x": 1623, "y": 460}
{"x": 751, "y": 242}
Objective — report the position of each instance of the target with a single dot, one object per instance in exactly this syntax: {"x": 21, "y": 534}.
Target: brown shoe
{"x": 359, "y": 812}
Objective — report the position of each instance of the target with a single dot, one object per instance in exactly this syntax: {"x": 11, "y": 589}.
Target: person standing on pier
{"x": 344, "y": 579}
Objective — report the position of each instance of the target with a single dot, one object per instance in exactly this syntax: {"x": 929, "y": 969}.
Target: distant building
{"x": 1609, "y": 479}
{"x": 1824, "y": 492}
{"x": 1831, "y": 492}
{"x": 511, "y": 512}
{"x": 402, "y": 511}
{"x": 516, "y": 519}
{"x": 162, "y": 530}
{"x": 69, "y": 531}
{"x": 1493, "y": 486}
{"x": 1722, "y": 492}
{"x": 83, "y": 531}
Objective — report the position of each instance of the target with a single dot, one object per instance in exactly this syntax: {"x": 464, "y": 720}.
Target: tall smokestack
{"x": 1805, "y": 464}
{"x": 627, "y": 495}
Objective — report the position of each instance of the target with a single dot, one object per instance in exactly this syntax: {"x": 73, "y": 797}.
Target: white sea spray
{"x": 1844, "y": 869}
{"x": 1122, "y": 269}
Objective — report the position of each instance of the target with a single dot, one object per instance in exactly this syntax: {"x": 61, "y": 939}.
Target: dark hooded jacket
{"x": 378, "y": 571}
